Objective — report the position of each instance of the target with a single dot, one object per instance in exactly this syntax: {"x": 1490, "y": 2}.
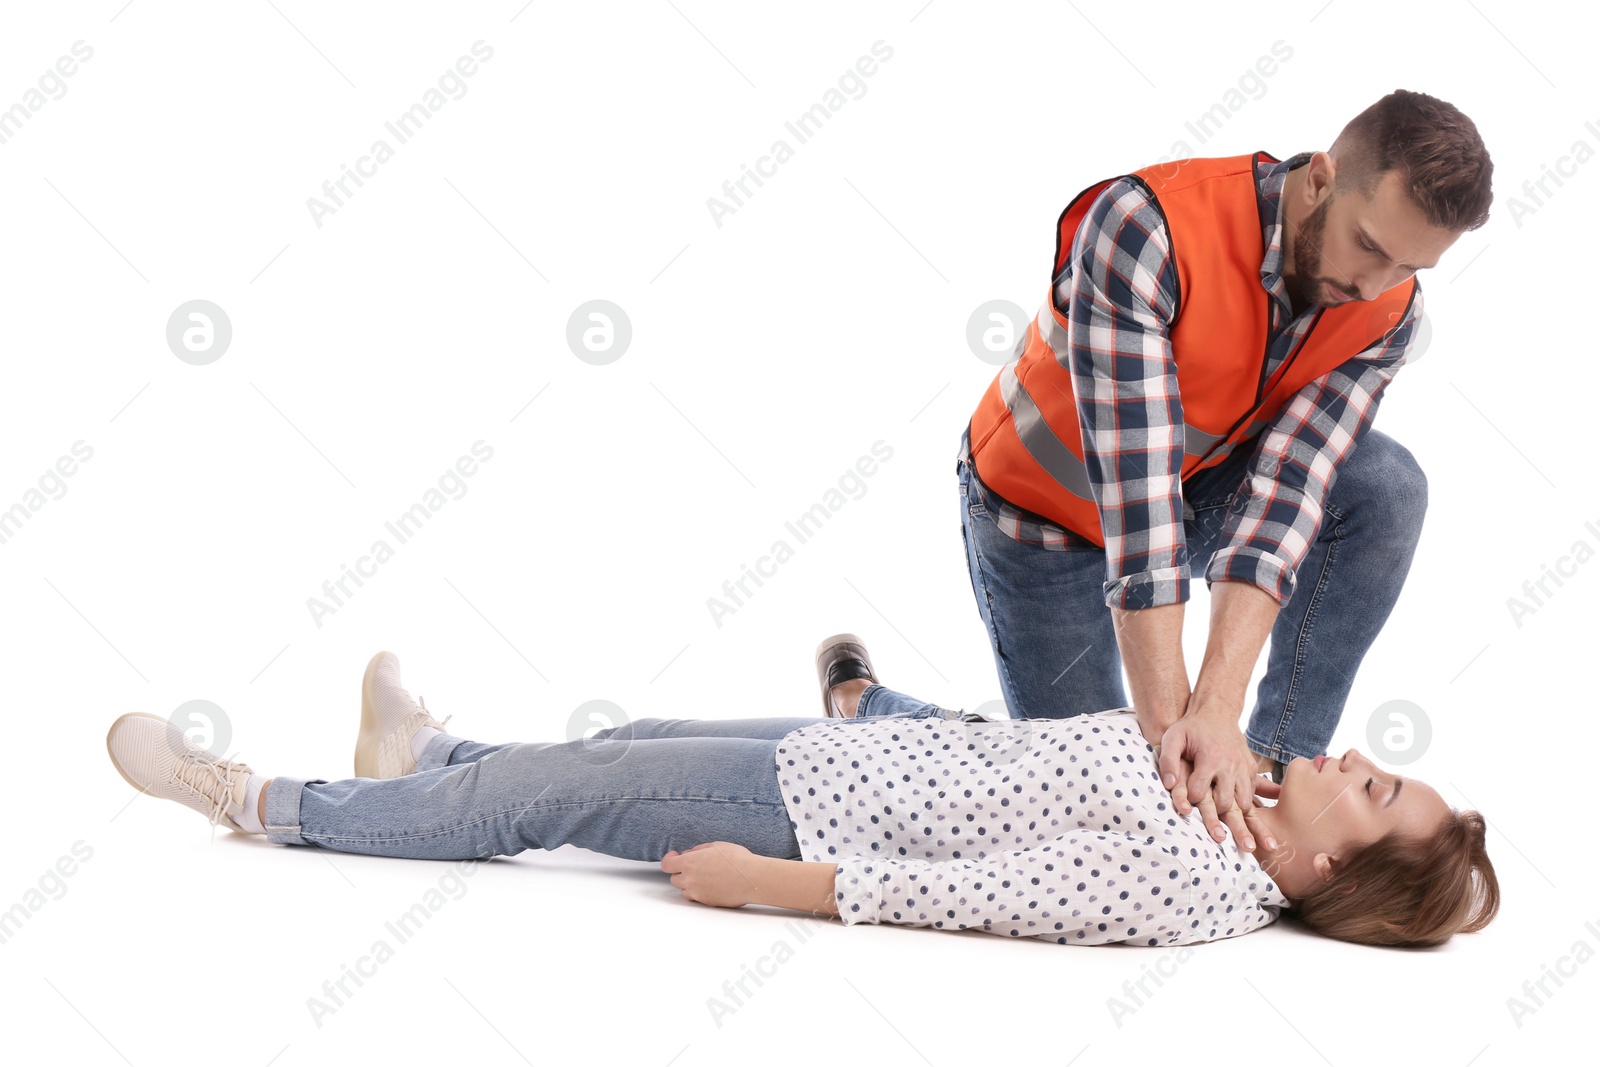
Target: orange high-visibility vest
{"x": 1025, "y": 438}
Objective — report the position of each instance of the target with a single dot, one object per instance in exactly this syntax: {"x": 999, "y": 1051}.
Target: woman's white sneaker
{"x": 154, "y": 757}
{"x": 390, "y": 720}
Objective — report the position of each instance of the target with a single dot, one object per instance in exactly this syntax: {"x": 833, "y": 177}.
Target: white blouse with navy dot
{"x": 1056, "y": 829}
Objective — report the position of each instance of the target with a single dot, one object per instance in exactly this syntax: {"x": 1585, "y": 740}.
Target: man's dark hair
{"x": 1436, "y": 149}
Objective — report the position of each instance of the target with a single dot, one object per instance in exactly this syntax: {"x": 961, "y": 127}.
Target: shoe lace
{"x": 435, "y": 723}
{"x": 212, "y": 777}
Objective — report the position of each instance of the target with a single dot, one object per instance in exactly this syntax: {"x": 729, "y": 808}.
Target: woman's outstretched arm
{"x": 725, "y": 875}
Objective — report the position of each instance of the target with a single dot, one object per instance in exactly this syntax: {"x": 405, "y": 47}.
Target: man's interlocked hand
{"x": 1205, "y": 756}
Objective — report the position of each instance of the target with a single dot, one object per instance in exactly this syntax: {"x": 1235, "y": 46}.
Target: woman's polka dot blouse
{"x": 1056, "y": 829}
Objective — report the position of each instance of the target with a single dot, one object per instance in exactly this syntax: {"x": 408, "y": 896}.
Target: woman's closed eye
{"x": 1368, "y": 787}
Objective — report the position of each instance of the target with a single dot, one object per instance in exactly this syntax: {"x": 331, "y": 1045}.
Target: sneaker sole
{"x": 367, "y": 738}
{"x": 113, "y": 755}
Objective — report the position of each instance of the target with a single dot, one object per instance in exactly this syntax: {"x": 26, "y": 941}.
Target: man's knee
{"x": 1392, "y": 482}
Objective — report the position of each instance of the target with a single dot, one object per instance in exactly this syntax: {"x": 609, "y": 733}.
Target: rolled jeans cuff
{"x": 283, "y": 809}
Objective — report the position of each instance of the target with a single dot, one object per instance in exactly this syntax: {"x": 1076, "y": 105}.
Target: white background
{"x": 768, "y": 354}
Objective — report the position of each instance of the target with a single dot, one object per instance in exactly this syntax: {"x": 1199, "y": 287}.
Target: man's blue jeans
{"x": 637, "y": 791}
{"x": 1056, "y": 652}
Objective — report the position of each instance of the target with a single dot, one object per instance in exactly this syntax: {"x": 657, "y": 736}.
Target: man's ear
{"x": 1316, "y": 182}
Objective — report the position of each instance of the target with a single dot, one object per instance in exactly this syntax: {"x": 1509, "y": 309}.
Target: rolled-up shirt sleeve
{"x": 1278, "y": 510}
{"x": 1083, "y": 888}
{"x": 1119, "y": 293}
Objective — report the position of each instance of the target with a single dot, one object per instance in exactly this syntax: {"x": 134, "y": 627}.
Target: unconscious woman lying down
{"x": 1055, "y": 829}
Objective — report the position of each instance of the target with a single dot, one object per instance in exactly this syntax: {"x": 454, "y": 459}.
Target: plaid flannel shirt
{"x": 1120, "y": 305}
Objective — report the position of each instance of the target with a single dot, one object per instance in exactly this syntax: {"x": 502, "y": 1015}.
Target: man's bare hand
{"x": 1205, "y": 763}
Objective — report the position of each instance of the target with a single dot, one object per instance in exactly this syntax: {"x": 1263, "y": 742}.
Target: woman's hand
{"x": 718, "y": 873}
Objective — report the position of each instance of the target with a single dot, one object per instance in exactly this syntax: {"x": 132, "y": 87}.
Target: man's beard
{"x": 1305, "y": 288}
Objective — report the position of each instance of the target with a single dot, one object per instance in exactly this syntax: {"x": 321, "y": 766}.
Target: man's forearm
{"x": 1151, "y": 643}
{"x": 1241, "y": 618}
{"x": 796, "y": 884}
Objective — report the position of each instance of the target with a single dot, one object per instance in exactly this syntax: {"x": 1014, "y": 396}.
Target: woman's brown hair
{"x": 1399, "y": 891}
{"x": 1436, "y": 149}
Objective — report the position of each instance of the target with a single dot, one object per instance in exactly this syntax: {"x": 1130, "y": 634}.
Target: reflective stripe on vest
{"x": 1040, "y": 440}
{"x": 1195, "y": 440}
{"x": 1059, "y": 461}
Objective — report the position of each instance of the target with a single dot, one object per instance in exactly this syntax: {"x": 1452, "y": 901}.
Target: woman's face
{"x": 1333, "y": 805}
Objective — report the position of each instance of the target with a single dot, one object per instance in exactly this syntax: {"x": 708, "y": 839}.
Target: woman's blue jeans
{"x": 1051, "y": 632}
{"x": 637, "y": 791}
